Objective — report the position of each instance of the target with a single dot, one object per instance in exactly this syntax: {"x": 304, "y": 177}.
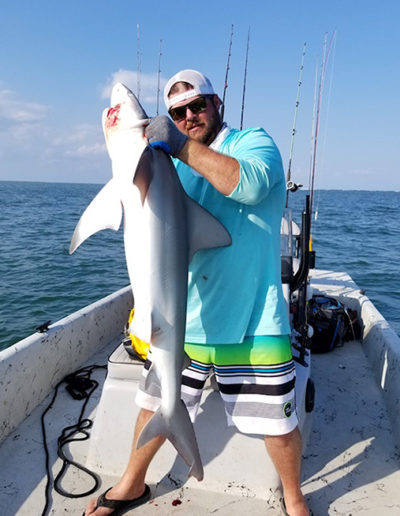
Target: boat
{"x": 351, "y": 436}
{"x": 351, "y": 430}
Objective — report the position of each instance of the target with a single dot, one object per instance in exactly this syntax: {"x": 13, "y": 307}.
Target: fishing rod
{"x": 299, "y": 280}
{"x": 290, "y": 186}
{"x": 316, "y": 129}
{"x": 326, "y": 123}
{"x": 313, "y": 123}
{"x": 138, "y": 59}
{"x": 325, "y": 54}
{"x": 226, "y": 75}
{"x": 245, "y": 78}
{"x": 158, "y": 77}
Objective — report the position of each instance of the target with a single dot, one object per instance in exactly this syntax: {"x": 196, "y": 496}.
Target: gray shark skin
{"x": 163, "y": 228}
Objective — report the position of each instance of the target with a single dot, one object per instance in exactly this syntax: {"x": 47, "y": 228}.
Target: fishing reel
{"x": 292, "y": 186}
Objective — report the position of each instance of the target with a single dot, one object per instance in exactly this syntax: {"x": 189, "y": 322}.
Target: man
{"x": 236, "y": 313}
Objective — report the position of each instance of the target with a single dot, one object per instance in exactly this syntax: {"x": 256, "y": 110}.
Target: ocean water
{"x": 356, "y": 231}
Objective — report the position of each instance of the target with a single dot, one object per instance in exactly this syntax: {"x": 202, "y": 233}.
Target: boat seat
{"x": 122, "y": 365}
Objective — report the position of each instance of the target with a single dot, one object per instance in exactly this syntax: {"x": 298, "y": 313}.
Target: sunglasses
{"x": 196, "y": 106}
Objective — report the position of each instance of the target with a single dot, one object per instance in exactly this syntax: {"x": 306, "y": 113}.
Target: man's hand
{"x": 162, "y": 133}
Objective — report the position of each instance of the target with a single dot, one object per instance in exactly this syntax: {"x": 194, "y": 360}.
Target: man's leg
{"x": 131, "y": 484}
{"x": 285, "y": 452}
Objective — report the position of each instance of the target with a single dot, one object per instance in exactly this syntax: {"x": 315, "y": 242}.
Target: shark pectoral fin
{"x": 196, "y": 471}
{"x": 151, "y": 378}
{"x": 104, "y": 212}
{"x": 178, "y": 429}
{"x": 205, "y": 231}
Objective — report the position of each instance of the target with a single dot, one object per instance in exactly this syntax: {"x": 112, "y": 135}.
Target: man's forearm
{"x": 223, "y": 172}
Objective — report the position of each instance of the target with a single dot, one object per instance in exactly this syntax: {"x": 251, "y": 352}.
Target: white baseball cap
{"x": 201, "y": 86}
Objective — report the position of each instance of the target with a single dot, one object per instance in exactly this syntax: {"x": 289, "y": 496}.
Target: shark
{"x": 163, "y": 228}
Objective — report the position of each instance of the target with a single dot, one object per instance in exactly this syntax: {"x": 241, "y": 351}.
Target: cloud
{"x": 79, "y": 142}
{"x": 86, "y": 150}
{"x": 24, "y": 126}
{"x": 16, "y": 111}
{"x": 148, "y": 85}
{"x": 21, "y": 123}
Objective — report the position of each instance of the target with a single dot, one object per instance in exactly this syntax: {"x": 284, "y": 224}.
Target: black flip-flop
{"x": 122, "y": 506}
{"x": 283, "y": 507}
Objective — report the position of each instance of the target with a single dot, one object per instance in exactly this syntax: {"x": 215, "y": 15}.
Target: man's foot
{"x": 298, "y": 508}
{"x": 105, "y": 506}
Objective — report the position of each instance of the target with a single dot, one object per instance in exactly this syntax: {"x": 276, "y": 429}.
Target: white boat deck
{"x": 351, "y": 462}
{"x": 351, "y": 465}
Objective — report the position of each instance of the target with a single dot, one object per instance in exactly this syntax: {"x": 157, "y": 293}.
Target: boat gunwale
{"x": 32, "y": 367}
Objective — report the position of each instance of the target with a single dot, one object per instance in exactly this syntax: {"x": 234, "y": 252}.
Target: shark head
{"x": 123, "y": 125}
{"x": 121, "y": 95}
{"x": 125, "y": 112}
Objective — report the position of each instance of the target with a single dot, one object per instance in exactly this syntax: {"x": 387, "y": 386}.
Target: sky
{"x": 59, "y": 59}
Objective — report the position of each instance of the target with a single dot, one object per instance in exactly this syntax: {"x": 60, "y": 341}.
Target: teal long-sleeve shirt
{"x": 236, "y": 291}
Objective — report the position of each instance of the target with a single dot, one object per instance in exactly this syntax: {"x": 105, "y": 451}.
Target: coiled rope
{"x": 81, "y": 387}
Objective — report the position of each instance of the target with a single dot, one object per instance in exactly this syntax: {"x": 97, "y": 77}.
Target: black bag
{"x": 328, "y": 318}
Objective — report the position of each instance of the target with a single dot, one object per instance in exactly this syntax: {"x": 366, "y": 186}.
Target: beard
{"x": 205, "y": 132}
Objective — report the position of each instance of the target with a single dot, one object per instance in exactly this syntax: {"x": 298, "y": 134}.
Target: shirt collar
{"x": 223, "y": 133}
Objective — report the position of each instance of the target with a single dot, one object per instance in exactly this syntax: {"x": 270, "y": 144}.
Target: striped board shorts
{"x": 256, "y": 380}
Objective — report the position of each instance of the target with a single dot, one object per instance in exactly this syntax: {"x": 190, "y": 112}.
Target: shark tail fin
{"x": 104, "y": 212}
{"x": 178, "y": 429}
{"x": 205, "y": 231}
